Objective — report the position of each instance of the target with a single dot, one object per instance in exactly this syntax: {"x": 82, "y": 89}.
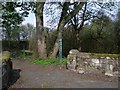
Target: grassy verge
{"x": 34, "y": 58}
{"x": 50, "y": 61}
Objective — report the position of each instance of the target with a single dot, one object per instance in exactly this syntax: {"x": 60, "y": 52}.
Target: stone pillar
{"x": 72, "y": 59}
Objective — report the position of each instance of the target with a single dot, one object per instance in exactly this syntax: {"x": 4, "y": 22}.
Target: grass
{"x": 33, "y": 57}
{"x": 47, "y": 85}
{"x": 50, "y": 61}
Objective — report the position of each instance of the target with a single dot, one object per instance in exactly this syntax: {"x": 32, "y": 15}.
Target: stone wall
{"x": 86, "y": 62}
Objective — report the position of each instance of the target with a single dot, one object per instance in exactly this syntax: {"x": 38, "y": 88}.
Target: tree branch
{"x": 74, "y": 12}
{"x": 83, "y": 18}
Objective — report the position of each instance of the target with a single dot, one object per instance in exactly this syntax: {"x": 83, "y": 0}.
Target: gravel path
{"x": 29, "y": 75}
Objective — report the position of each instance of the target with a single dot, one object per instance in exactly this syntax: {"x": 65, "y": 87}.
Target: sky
{"x": 30, "y": 19}
{"x": 47, "y": 18}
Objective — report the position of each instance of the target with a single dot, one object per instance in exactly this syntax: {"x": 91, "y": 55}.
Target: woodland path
{"x": 29, "y": 75}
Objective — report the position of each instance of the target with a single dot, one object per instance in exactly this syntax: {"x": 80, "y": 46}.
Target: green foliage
{"x": 27, "y": 31}
{"x": 22, "y": 54}
{"x": 14, "y": 45}
{"x": 25, "y": 7}
{"x": 11, "y": 19}
{"x": 50, "y": 61}
{"x": 99, "y": 36}
{"x": 96, "y": 37}
{"x": 117, "y": 31}
{"x": 69, "y": 41}
{"x": 35, "y": 55}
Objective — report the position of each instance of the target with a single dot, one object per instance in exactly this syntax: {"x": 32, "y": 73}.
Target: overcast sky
{"x": 30, "y": 19}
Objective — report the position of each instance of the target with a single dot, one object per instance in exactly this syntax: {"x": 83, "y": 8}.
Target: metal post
{"x": 60, "y": 46}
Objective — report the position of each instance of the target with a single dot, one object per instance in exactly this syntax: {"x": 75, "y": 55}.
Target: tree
{"x": 40, "y": 30}
{"x": 99, "y": 35}
{"x": 37, "y": 8}
{"x": 117, "y": 31}
{"x": 26, "y": 31}
{"x": 11, "y": 20}
{"x": 66, "y": 16}
{"x": 63, "y": 21}
{"x": 85, "y": 16}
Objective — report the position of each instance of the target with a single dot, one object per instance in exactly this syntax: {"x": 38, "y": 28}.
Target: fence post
{"x": 60, "y": 46}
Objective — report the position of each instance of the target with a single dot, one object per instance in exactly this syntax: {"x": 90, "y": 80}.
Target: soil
{"x": 29, "y": 75}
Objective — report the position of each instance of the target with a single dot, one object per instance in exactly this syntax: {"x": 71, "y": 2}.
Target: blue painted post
{"x": 60, "y": 46}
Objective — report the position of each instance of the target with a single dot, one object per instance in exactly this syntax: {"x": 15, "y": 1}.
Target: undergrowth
{"x": 21, "y": 54}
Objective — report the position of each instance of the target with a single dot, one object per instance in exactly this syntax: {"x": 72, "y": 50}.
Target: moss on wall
{"x": 5, "y": 56}
{"x": 106, "y": 55}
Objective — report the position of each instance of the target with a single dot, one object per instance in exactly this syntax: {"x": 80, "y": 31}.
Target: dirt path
{"x": 30, "y": 75}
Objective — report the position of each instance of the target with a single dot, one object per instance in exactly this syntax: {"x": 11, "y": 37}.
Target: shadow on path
{"x": 15, "y": 76}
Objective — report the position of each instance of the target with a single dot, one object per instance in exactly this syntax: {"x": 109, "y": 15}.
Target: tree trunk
{"x": 41, "y": 45}
{"x": 55, "y": 49}
{"x": 56, "y": 46}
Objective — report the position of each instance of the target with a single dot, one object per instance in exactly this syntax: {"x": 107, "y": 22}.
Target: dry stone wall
{"x": 81, "y": 62}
